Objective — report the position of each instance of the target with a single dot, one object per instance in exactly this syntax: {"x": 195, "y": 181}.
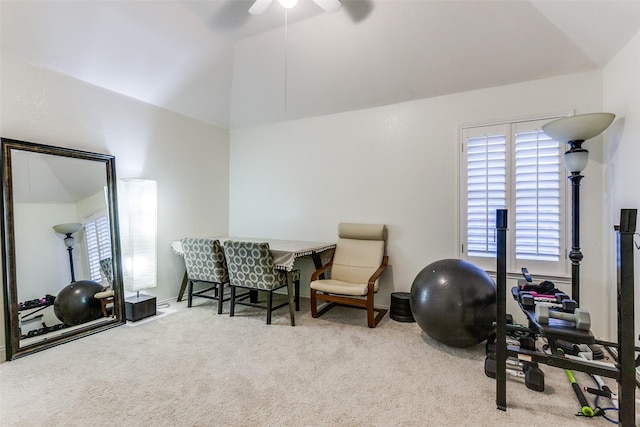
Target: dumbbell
{"x": 581, "y": 317}
{"x": 557, "y": 298}
{"x": 533, "y": 376}
{"x": 567, "y": 304}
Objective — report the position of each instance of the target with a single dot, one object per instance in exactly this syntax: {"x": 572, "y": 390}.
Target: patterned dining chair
{"x": 251, "y": 266}
{"x": 107, "y": 295}
{"x": 205, "y": 262}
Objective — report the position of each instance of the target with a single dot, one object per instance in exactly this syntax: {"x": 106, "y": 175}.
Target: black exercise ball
{"x": 75, "y": 303}
{"x": 454, "y": 302}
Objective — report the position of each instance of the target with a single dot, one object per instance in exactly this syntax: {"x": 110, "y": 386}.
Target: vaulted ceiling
{"x": 213, "y": 61}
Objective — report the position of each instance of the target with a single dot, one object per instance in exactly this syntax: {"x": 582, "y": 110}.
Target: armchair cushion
{"x": 362, "y": 231}
{"x": 355, "y": 261}
{"x": 339, "y": 287}
{"x": 104, "y": 294}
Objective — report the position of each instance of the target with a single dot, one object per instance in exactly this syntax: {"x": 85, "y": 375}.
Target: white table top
{"x": 284, "y": 252}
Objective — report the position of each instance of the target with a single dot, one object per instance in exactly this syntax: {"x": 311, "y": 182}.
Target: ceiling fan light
{"x": 288, "y": 4}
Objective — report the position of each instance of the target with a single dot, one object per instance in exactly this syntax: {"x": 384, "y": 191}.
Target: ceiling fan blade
{"x": 259, "y": 6}
{"x": 329, "y": 6}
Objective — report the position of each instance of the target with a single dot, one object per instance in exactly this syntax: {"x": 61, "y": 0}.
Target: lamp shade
{"x": 137, "y": 206}
{"x": 576, "y": 160}
{"x": 68, "y": 228}
{"x": 578, "y": 128}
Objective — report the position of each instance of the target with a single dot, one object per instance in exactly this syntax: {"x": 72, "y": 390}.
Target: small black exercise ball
{"x": 75, "y": 303}
{"x": 454, "y": 302}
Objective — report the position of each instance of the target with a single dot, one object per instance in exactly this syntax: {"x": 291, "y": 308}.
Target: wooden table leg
{"x": 317, "y": 262}
{"x": 182, "y": 287}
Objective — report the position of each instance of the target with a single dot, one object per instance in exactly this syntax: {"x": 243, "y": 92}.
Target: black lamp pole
{"x": 68, "y": 241}
{"x": 575, "y": 255}
{"x": 575, "y": 160}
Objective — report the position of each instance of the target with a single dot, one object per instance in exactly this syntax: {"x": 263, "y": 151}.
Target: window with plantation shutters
{"x": 513, "y": 166}
{"x": 537, "y": 196}
{"x": 98, "y": 243}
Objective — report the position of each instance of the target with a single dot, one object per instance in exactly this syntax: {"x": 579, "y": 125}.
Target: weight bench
{"x": 555, "y": 329}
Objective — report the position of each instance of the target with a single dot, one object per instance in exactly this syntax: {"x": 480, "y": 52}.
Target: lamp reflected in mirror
{"x": 74, "y": 192}
{"x": 68, "y": 229}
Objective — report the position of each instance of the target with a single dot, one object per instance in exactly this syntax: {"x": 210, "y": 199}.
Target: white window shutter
{"x": 537, "y": 196}
{"x": 98, "y": 236}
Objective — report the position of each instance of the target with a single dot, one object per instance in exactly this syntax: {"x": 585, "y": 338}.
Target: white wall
{"x": 188, "y": 158}
{"x": 38, "y": 245}
{"x": 397, "y": 165}
{"x": 622, "y": 154}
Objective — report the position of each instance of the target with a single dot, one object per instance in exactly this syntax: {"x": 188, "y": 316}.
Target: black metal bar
{"x": 501, "y": 310}
{"x": 613, "y": 344}
{"x": 558, "y": 361}
{"x": 626, "y": 334}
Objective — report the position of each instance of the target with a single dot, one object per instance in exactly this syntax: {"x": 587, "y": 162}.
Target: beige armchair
{"x": 355, "y": 268}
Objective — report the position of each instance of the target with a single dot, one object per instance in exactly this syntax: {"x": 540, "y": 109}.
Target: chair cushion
{"x": 104, "y": 294}
{"x": 362, "y": 231}
{"x": 338, "y": 287}
{"x": 355, "y": 261}
{"x": 358, "y": 254}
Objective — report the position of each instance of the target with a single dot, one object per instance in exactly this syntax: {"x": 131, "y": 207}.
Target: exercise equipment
{"x": 75, "y": 303}
{"x": 557, "y": 297}
{"x": 623, "y": 371}
{"x": 454, "y": 302}
{"x": 533, "y": 376}
{"x": 581, "y": 317}
{"x": 565, "y": 304}
{"x": 585, "y": 408}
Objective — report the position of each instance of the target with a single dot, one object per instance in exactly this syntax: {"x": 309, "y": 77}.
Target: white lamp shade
{"x": 137, "y": 210}
{"x": 576, "y": 160}
{"x": 68, "y": 228}
{"x": 578, "y": 128}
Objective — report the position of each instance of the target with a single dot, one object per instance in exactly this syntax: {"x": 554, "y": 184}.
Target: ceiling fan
{"x": 259, "y": 6}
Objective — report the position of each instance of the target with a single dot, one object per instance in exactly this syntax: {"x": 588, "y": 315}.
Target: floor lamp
{"x": 575, "y": 130}
{"x": 68, "y": 229}
{"x": 137, "y": 205}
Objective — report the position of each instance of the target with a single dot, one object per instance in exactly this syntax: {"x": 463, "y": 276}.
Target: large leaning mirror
{"x": 62, "y": 271}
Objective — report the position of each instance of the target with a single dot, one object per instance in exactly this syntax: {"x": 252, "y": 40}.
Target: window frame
{"x": 560, "y": 269}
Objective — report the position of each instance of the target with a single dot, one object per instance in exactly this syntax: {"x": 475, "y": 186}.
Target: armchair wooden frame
{"x": 366, "y": 302}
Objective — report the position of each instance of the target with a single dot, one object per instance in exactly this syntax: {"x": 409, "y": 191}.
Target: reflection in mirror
{"x": 62, "y": 273}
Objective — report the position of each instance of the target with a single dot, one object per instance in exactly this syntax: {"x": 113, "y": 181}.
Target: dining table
{"x": 285, "y": 253}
